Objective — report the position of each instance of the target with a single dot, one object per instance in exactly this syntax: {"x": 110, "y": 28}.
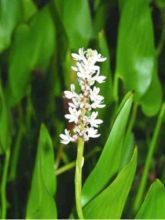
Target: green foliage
{"x": 153, "y": 206}
{"x": 4, "y": 124}
{"x": 136, "y": 63}
{"x": 41, "y": 202}
{"x": 113, "y": 198}
{"x": 104, "y": 166}
{"x": 9, "y": 17}
{"x": 32, "y": 48}
{"x": 78, "y": 27}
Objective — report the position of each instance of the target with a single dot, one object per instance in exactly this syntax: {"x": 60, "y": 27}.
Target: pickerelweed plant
{"x": 82, "y": 109}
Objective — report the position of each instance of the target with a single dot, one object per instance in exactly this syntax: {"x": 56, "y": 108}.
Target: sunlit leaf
{"x": 109, "y": 204}
{"x": 110, "y": 159}
{"x": 135, "y": 52}
{"x": 153, "y": 206}
{"x": 136, "y": 61}
{"x": 41, "y": 202}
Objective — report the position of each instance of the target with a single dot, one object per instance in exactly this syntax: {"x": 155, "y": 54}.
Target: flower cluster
{"x": 82, "y": 106}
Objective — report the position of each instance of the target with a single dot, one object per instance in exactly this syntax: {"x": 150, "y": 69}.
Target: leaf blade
{"x": 41, "y": 202}
{"x": 109, "y": 154}
{"x": 113, "y": 198}
{"x": 154, "y": 204}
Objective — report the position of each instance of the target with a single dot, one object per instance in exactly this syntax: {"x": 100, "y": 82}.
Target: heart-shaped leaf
{"x": 135, "y": 52}
{"x": 136, "y": 60}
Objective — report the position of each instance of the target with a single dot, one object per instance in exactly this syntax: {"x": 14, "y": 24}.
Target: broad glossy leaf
{"x": 4, "y": 124}
{"x": 109, "y": 204}
{"x": 10, "y": 12}
{"x": 41, "y": 202}
{"x": 32, "y": 48}
{"x": 153, "y": 206}
{"x": 76, "y": 18}
{"x": 110, "y": 159}
{"x": 135, "y": 52}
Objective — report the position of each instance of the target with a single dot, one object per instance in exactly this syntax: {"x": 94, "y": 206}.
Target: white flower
{"x": 95, "y": 97}
{"x": 97, "y": 104}
{"x": 81, "y": 105}
{"x": 70, "y": 94}
{"x": 92, "y": 133}
{"x": 94, "y": 122}
{"x": 74, "y": 115}
{"x": 80, "y": 56}
{"x": 66, "y": 138}
{"x": 100, "y": 79}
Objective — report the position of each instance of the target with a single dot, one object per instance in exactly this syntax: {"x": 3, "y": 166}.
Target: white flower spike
{"x": 81, "y": 105}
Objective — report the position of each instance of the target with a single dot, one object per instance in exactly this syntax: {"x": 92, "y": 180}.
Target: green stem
{"x": 78, "y": 177}
{"x": 72, "y": 164}
{"x": 14, "y": 159}
{"x": 4, "y": 183}
{"x": 65, "y": 168}
{"x": 59, "y": 155}
{"x": 147, "y": 165}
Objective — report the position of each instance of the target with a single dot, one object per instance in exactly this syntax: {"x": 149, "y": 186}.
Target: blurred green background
{"x": 36, "y": 41}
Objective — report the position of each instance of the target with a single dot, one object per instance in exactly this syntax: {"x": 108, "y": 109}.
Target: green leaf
{"x": 101, "y": 15}
{"x": 135, "y": 52}
{"x": 10, "y": 12}
{"x": 129, "y": 143}
{"x": 76, "y": 18}
{"x": 153, "y": 206}
{"x": 4, "y": 124}
{"x": 43, "y": 35}
{"x": 20, "y": 64}
{"x": 152, "y": 99}
{"x": 110, "y": 159}
{"x": 41, "y": 202}
{"x": 32, "y": 48}
{"x": 109, "y": 204}
{"x": 29, "y": 9}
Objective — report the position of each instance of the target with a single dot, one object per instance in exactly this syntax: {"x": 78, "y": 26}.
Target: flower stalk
{"x": 78, "y": 177}
{"x": 82, "y": 110}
